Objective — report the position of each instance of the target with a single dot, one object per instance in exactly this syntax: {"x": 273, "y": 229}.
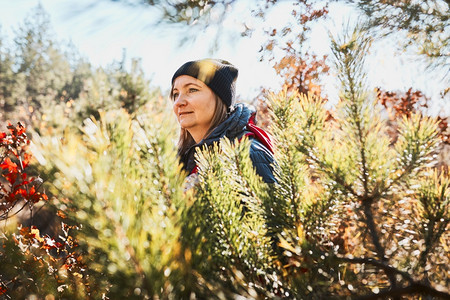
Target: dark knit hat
{"x": 219, "y": 75}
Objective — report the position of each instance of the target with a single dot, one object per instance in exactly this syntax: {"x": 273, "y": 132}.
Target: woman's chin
{"x": 185, "y": 125}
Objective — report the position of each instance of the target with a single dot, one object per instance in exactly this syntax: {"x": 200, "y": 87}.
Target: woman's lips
{"x": 184, "y": 113}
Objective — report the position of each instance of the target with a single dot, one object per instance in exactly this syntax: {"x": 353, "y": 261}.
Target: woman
{"x": 203, "y": 95}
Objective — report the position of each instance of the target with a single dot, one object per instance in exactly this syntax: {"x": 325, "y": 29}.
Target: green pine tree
{"x": 6, "y": 79}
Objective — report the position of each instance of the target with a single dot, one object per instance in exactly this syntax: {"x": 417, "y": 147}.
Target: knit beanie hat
{"x": 219, "y": 75}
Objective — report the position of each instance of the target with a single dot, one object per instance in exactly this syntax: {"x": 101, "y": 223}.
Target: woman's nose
{"x": 180, "y": 101}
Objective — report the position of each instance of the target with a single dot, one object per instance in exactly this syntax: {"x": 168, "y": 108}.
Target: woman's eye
{"x": 192, "y": 90}
{"x": 174, "y": 96}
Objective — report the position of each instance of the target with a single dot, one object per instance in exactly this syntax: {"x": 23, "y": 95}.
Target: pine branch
{"x": 367, "y": 205}
{"x": 357, "y": 119}
{"x": 223, "y": 224}
{"x": 363, "y": 157}
{"x": 238, "y": 164}
{"x": 414, "y": 287}
{"x": 380, "y": 264}
{"x": 434, "y": 199}
{"x": 162, "y": 178}
{"x": 406, "y": 171}
{"x": 122, "y": 236}
{"x": 430, "y": 240}
{"x": 332, "y": 174}
{"x": 350, "y": 53}
{"x": 370, "y": 222}
{"x": 293, "y": 189}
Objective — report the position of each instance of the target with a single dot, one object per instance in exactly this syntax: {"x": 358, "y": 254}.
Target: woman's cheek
{"x": 174, "y": 109}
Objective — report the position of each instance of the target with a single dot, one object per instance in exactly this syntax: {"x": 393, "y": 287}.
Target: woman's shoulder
{"x": 262, "y": 160}
{"x": 259, "y": 152}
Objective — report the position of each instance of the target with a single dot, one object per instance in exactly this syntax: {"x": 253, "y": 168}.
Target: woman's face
{"x": 194, "y": 105}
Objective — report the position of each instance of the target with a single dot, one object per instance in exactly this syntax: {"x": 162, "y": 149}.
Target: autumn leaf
{"x": 8, "y": 164}
{"x": 21, "y": 192}
{"x": 61, "y": 214}
{"x": 20, "y": 129}
{"x": 11, "y": 177}
{"x": 36, "y": 234}
{"x": 26, "y": 159}
{"x": 10, "y": 128}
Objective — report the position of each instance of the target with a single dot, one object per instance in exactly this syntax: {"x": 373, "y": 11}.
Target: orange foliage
{"x": 407, "y": 104}
{"x": 299, "y": 68}
{"x": 14, "y": 160}
{"x": 18, "y": 188}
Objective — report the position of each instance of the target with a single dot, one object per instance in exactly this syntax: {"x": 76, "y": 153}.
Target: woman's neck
{"x": 198, "y": 135}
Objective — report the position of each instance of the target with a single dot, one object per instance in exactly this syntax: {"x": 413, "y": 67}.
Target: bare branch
{"x": 380, "y": 264}
{"x": 415, "y": 288}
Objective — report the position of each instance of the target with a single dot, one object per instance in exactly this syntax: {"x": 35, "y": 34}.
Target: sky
{"x": 101, "y": 35}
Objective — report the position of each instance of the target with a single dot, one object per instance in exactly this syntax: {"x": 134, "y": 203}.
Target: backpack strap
{"x": 194, "y": 170}
{"x": 258, "y": 133}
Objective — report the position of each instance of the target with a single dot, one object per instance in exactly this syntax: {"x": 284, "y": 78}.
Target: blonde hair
{"x": 186, "y": 140}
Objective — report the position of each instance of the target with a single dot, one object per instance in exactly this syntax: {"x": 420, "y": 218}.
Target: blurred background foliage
{"x": 360, "y": 208}
{"x": 425, "y": 23}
